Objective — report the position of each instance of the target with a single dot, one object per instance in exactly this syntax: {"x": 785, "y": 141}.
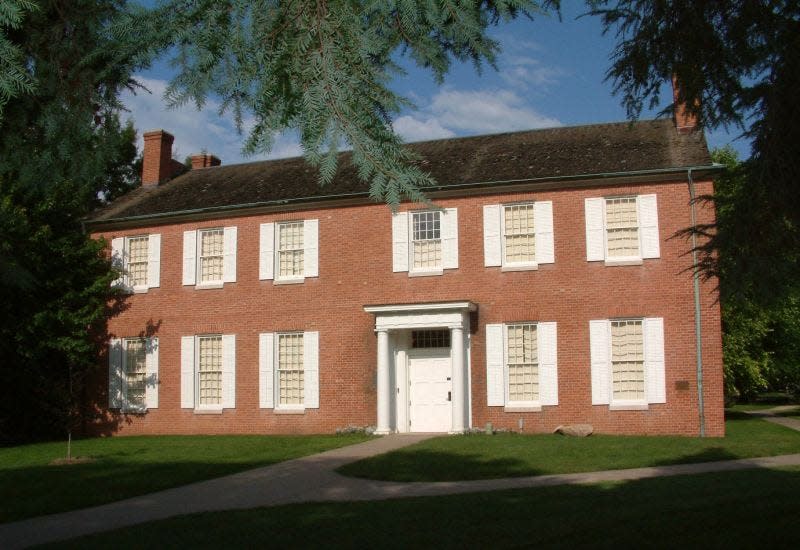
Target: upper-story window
{"x": 627, "y": 361}
{"x": 289, "y": 251}
{"x": 425, "y": 242}
{"x": 133, "y": 374}
{"x": 622, "y": 230}
{"x": 518, "y": 236}
{"x": 138, "y": 258}
{"x": 209, "y": 257}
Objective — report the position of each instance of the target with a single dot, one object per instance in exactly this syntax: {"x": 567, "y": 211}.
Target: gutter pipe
{"x": 697, "y": 327}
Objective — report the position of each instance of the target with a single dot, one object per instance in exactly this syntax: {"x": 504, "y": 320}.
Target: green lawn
{"x": 513, "y": 455}
{"x": 745, "y": 509}
{"x": 128, "y": 466}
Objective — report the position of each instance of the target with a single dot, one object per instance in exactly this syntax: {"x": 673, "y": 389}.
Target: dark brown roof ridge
{"x": 550, "y": 153}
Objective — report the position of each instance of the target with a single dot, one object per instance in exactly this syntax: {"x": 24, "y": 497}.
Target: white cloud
{"x": 486, "y": 111}
{"x": 411, "y": 128}
{"x": 524, "y": 72}
{"x": 195, "y": 130}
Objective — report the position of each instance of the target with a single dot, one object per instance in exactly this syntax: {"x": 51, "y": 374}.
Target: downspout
{"x": 697, "y": 328}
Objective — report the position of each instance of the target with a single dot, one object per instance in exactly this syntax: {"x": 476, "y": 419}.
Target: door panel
{"x": 429, "y": 393}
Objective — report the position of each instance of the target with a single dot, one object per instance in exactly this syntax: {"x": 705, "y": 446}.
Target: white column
{"x": 459, "y": 379}
{"x": 384, "y": 380}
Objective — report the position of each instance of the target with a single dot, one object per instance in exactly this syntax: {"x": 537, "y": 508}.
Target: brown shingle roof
{"x": 529, "y": 155}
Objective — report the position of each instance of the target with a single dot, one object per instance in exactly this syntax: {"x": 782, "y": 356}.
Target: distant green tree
{"x": 63, "y": 150}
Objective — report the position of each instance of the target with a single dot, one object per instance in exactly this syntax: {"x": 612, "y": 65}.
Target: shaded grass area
{"x": 708, "y": 510}
{"x": 123, "y": 467}
{"x": 767, "y": 401}
{"x": 514, "y": 455}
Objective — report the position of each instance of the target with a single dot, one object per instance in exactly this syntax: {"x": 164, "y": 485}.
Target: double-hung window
{"x": 521, "y": 365}
{"x": 208, "y": 372}
{"x": 622, "y": 230}
{"x": 289, "y": 371}
{"x": 518, "y": 236}
{"x": 133, "y": 374}
{"x": 425, "y": 242}
{"x": 209, "y": 257}
{"x": 289, "y": 251}
{"x": 138, "y": 259}
{"x": 627, "y": 360}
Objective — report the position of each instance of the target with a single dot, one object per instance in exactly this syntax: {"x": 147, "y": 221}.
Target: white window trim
{"x": 197, "y": 406}
{"x": 229, "y": 258}
{"x": 198, "y": 273}
{"x": 517, "y": 406}
{"x": 269, "y": 373}
{"x": 650, "y": 224}
{"x": 635, "y": 259}
{"x": 286, "y": 407}
{"x": 514, "y": 266}
{"x": 627, "y": 404}
{"x": 120, "y": 248}
{"x": 269, "y": 252}
{"x": 287, "y": 279}
{"x": 190, "y": 374}
{"x": 118, "y": 370}
{"x": 425, "y": 271}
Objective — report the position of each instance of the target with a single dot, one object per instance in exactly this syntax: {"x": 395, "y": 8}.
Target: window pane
{"x": 427, "y": 244}
{"x": 290, "y": 249}
{"x": 137, "y": 261}
{"x": 520, "y": 242}
{"x": 522, "y": 354}
{"x": 211, "y": 251}
{"x": 290, "y": 369}
{"x": 210, "y": 370}
{"x": 430, "y": 339}
{"x": 622, "y": 227}
{"x": 135, "y": 371}
{"x": 627, "y": 360}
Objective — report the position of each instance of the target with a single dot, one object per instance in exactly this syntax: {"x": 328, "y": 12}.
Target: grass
{"x": 128, "y": 466}
{"x": 709, "y": 510}
{"x": 513, "y": 455}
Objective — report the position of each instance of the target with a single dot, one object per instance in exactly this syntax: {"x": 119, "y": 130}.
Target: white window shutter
{"x": 151, "y": 373}
{"x": 654, "y": 360}
{"x": 495, "y": 377}
{"x": 229, "y": 251}
{"x": 311, "y": 248}
{"x": 118, "y": 259}
{"x": 228, "y": 371}
{"x": 266, "y": 370}
{"x": 449, "y": 226}
{"x": 187, "y": 372}
{"x": 548, "y": 363}
{"x": 266, "y": 251}
{"x": 400, "y": 241}
{"x": 189, "y": 257}
{"x": 115, "y": 373}
{"x": 595, "y": 229}
{"x": 599, "y": 345}
{"x": 492, "y": 247}
{"x": 648, "y": 226}
{"x": 154, "y": 260}
{"x": 543, "y": 227}
{"x": 311, "y": 368}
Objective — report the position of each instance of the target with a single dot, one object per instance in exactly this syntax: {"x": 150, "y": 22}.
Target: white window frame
{"x": 533, "y": 404}
{"x": 120, "y": 257}
{"x": 597, "y": 230}
{"x": 207, "y": 406}
{"x": 602, "y": 369}
{"x": 192, "y": 246}
{"x": 494, "y": 233}
{"x": 403, "y": 242}
{"x": 626, "y": 403}
{"x": 269, "y": 252}
{"x": 503, "y": 234}
{"x": 269, "y": 375}
{"x": 190, "y": 374}
{"x": 117, "y": 375}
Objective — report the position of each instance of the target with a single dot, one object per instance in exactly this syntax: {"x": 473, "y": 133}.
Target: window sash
{"x": 522, "y": 363}
{"x": 137, "y": 258}
{"x": 426, "y": 239}
{"x": 209, "y": 370}
{"x": 627, "y": 361}
{"x": 135, "y": 372}
{"x": 622, "y": 228}
{"x": 291, "y": 247}
{"x": 211, "y": 256}
{"x": 519, "y": 236}
{"x": 291, "y": 371}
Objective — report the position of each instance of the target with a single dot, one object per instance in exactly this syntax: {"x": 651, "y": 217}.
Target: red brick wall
{"x": 355, "y": 267}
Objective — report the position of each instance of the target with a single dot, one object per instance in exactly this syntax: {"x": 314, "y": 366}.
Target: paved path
{"x": 312, "y": 479}
{"x": 771, "y": 415}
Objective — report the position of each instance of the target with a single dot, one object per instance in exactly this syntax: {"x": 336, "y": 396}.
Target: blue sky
{"x": 550, "y": 73}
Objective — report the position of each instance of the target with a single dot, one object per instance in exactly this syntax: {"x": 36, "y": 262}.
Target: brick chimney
{"x": 157, "y": 163}
{"x": 204, "y": 160}
{"x": 685, "y": 121}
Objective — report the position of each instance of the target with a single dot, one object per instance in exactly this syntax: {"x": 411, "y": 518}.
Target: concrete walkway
{"x": 312, "y": 479}
{"x": 771, "y": 415}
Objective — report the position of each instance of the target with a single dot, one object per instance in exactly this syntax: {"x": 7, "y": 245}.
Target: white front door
{"x": 430, "y": 388}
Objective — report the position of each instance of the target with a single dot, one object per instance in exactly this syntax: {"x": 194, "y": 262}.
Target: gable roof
{"x": 551, "y": 154}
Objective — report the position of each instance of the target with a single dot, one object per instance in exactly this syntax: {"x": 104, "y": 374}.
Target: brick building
{"x": 548, "y": 288}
